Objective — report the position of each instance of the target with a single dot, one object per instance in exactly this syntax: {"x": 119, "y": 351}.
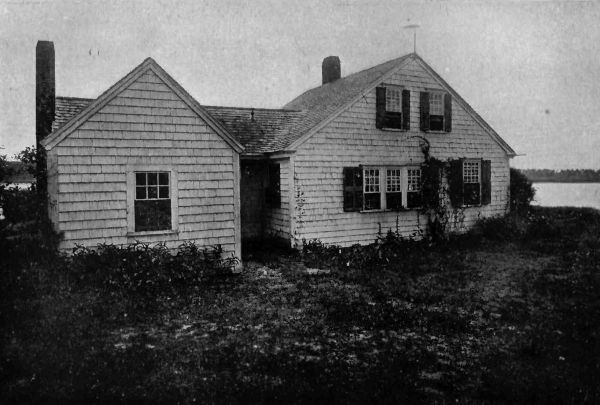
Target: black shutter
{"x": 353, "y": 187}
{"x": 447, "y": 113}
{"x": 406, "y": 109}
{"x": 456, "y": 183}
{"x": 424, "y": 111}
{"x": 380, "y": 101}
{"x": 486, "y": 182}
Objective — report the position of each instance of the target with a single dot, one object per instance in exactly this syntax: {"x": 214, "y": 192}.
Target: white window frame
{"x": 131, "y": 193}
{"x": 383, "y": 183}
{"x": 441, "y": 95}
{"x": 389, "y": 89}
{"x": 471, "y": 162}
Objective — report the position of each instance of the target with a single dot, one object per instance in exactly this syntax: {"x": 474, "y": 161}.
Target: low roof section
{"x": 257, "y": 129}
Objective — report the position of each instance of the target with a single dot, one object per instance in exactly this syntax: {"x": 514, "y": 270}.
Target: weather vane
{"x": 414, "y": 28}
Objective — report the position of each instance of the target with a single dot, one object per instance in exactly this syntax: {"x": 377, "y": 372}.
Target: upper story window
{"x": 436, "y": 111}
{"x": 393, "y": 107}
{"x": 393, "y": 99}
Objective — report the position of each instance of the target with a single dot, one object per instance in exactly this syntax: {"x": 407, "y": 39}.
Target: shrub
{"x": 521, "y": 191}
{"x": 146, "y": 272}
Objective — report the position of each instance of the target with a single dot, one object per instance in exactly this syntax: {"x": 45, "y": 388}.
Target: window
{"x": 393, "y": 191}
{"x": 393, "y": 108}
{"x": 436, "y": 111}
{"x": 393, "y": 99}
{"x": 152, "y": 205}
{"x": 273, "y": 190}
{"x": 471, "y": 182}
{"x": 372, "y": 193}
{"x": 381, "y": 188}
{"x": 413, "y": 188}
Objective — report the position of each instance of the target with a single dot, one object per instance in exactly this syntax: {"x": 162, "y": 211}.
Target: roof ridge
{"x": 253, "y": 108}
{"x": 351, "y": 75}
{"x": 75, "y": 98}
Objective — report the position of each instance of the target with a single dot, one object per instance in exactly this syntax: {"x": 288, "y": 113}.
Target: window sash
{"x": 391, "y": 188}
{"x": 393, "y": 99}
{"x": 371, "y": 181}
{"x": 471, "y": 172}
{"x": 436, "y": 104}
{"x": 152, "y": 186}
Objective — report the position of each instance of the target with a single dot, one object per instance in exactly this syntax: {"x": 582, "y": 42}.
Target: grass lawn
{"x": 502, "y": 315}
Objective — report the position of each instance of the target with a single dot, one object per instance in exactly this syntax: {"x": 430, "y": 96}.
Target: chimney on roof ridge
{"x": 332, "y": 70}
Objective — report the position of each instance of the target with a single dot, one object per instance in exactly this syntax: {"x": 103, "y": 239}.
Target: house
{"x": 340, "y": 163}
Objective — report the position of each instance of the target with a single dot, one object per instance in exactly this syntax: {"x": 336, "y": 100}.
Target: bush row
{"x": 148, "y": 271}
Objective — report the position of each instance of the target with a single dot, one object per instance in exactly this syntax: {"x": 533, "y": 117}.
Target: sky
{"x": 531, "y": 69}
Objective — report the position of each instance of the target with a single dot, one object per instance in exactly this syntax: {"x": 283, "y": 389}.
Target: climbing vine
{"x": 436, "y": 206}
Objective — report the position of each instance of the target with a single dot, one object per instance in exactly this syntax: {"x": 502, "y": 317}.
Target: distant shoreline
{"x": 565, "y": 181}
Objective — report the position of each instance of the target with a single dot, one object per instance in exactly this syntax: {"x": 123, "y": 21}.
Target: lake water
{"x": 567, "y": 194}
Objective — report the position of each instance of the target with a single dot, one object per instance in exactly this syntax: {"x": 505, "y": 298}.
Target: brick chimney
{"x": 332, "y": 70}
{"x": 44, "y": 89}
{"x": 44, "y": 110}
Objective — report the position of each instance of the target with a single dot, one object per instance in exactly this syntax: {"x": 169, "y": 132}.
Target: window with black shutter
{"x": 382, "y": 188}
{"x": 273, "y": 190}
{"x": 470, "y": 182}
{"x": 436, "y": 111}
{"x": 393, "y": 107}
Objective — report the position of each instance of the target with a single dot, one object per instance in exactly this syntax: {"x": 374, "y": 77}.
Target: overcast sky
{"x": 531, "y": 69}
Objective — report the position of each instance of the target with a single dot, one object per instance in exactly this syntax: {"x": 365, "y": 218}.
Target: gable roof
{"x": 257, "y": 129}
{"x": 87, "y": 111}
{"x": 329, "y": 100}
{"x": 268, "y": 130}
{"x": 324, "y": 103}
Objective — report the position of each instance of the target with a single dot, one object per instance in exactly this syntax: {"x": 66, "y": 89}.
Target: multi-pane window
{"x": 471, "y": 182}
{"x": 436, "y": 105}
{"x": 152, "y": 203}
{"x": 392, "y": 105}
{"x": 387, "y": 188}
{"x": 393, "y": 99}
{"x": 413, "y": 187}
{"x": 372, "y": 189}
{"x": 436, "y": 111}
{"x": 393, "y": 191}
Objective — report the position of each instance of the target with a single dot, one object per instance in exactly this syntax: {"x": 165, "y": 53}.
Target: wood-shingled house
{"x": 340, "y": 163}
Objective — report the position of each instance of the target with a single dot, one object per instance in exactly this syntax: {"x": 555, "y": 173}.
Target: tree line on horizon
{"x": 563, "y": 176}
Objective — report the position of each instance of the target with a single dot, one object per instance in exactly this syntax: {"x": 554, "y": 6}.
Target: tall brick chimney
{"x": 332, "y": 70}
{"x": 44, "y": 110}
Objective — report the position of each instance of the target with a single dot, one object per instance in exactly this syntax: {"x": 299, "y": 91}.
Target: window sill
{"x": 389, "y": 210}
{"x": 393, "y": 129}
{"x": 437, "y": 132}
{"x": 151, "y": 233}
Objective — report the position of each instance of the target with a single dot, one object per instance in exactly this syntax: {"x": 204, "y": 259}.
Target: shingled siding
{"x": 147, "y": 125}
{"x": 352, "y": 139}
{"x": 277, "y": 220}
